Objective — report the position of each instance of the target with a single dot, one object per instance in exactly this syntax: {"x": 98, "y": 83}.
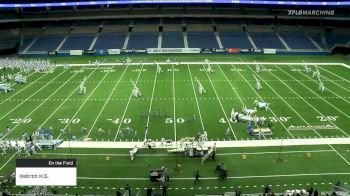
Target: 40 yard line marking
{"x": 223, "y": 110}
{"x": 32, "y": 95}
{"x": 105, "y": 104}
{"x": 195, "y": 95}
{"x": 263, "y": 101}
{"x": 82, "y": 105}
{"x": 150, "y": 106}
{"x": 127, "y": 105}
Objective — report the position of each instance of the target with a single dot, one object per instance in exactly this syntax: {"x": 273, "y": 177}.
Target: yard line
{"x": 340, "y": 154}
{"x": 263, "y": 101}
{"x": 229, "y": 177}
{"x": 307, "y": 101}
{"x": 127, "y": 106}
{"x": 318, "y": 94}
{"x": 57, "y": 108}
{"x": 42, "y": 102}
{"x": 195, "y": 95}
{"x": 105, "y": 104}
{"x": 7, "y": 161}
{"x": 150, "y": 106}
{"x": 303, "y": 118}
{"x": 297, "y": 113}
{"x": 335, "y": 83}
{"x": 174, "y": 121}
{"x": 23, "y": 89}
{"x": 334, "y": 74}
{"x": 223, "y": 110}
{"x": 231, "y": 86}
{"x": 32, "y": 95}
{"x": 167, "y": 155}
{"x": 82, "y": 105}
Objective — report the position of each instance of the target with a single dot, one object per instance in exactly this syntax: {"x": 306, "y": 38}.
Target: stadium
{"x": 174, "y": 97}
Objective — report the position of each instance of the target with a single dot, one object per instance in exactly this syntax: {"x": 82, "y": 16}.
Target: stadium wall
{"x": 105, "y": 52}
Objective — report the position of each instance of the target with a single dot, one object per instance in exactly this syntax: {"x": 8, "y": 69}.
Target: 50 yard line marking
{"x": 195, "y": 95}
{"x": 32, "y": 95}
{"x": 82, "y": 105}
{"x": 223, "y": 110}
{"x": 105, "y": 104}
{"x": 127, "y": 105}
{"x": 174, "y": 121}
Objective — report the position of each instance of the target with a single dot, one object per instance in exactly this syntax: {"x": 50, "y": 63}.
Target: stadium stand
{"x": 143, "y": 36}
{"x": 201, "y": 36}
{"x": 264, "y": 37}
{"x": 232, "y": 36}
{"x": 172, "y": 36}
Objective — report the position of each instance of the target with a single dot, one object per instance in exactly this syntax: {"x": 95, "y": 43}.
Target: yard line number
{"x": 272, "y": 119}
{"x": 327, "y": 118}
{"x": 67, "y": 120}
{"x": 120, "y": 120}
{"x": 20, "y": 120}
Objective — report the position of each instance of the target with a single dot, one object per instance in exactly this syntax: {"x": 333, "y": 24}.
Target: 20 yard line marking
{"x": 44, "y": 101}
{"x": 304, "y": 99}
{"x": 127, "y": 105}
{"x": 195, "y": 95}
{"x": 223, "y": 110}
{"x": 105, "y": 104}
{"x": 82, "y": 105}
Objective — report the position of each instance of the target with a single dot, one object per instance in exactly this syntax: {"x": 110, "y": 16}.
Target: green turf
{"x": 52, "y": 100}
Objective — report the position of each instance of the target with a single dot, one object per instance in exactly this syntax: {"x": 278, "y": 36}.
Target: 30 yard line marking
{"x": 223, "y": 110}
{"x": 306, "y": 100}
{"x": 127, "y": 106}
{"x": 32, "y": 95}
{"x": 264, "y": 101}
{"x": 195, "y": 95}
{"x": 105, "y": 104}
{"x": 82, "y": 105}
{"x": 44, "y": 101}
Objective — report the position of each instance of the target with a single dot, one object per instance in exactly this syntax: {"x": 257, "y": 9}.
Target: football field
{"x": 172, "y": 108}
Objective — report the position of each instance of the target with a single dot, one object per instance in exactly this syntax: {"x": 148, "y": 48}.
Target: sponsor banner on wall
{"x": 173, "y": 50}
{"x": 89, "y": 51}
{"x": 52, "y": 53}
{"x": 207, "y": 50}
{"x": 269, "y": 51}
{"x": 76, "y": 52}
{"x": 132, "y": 51}
{"x": 233, "y": 50}
{"x": 113, "y": 51}
{"x": 219, "y": 50}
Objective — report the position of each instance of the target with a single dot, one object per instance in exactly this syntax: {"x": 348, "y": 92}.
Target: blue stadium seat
{"x": 234, "y": 40}
{"x": 172, "y": 40}
{"x": 78, "y": 42}
{"x": 202, "y": 40}
{"x": 296, "y": 40}
{"x": 266, "y": 40}
{"x": 45, "y": 43}
{"x": 142, "y": 40}
{"x": 110, "y": 41}
{"x": 25, "y": 43}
